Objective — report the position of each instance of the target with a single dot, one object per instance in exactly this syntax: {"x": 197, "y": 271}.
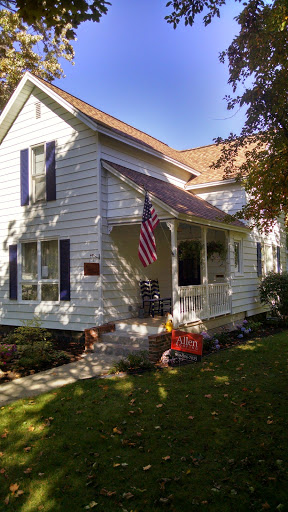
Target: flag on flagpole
{"x": 147, "y": 245}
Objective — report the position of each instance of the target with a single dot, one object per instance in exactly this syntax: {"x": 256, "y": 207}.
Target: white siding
{"x": 73, "y": 215}
{"x": 229, "y": 198}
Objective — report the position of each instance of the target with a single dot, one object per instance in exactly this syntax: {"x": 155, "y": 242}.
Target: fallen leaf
{"x": 13, "y": 488}
{"x": 31, "y": 428}
{"x": 167, "y": 457}
{"x": 147, "y": 467}
{"x": 27, "y": 471}
{"x": 116, "y": 430}
{"x": 6, "y": 501}
{"x": 159, "y": 405}
{"x": 191, "y": 417}
{"x": 208, "y": 396}
{"x": 127, "y": 495}
{"x": 214, "y": 413}
{"x": 27, "y": 449}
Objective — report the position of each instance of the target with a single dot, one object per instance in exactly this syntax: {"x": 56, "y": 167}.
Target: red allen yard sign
{"x": 188, "y": 344}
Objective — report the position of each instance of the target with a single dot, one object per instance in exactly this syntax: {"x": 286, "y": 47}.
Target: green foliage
{"x": 58, "y": 15}
{"x": 134, "y": 361}
{"x": 35, "y": 49}
{"x": 274, "y": 292}
{"x": 258, "y": 74}
{"x": 189, "y": 249}
{"x": 30, "y": 334}
{"x": 216, "y": 247}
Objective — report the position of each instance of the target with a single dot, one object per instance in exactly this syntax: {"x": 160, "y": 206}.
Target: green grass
{"x": 211, "y": 436}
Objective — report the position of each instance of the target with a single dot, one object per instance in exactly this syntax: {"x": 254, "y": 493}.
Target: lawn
{"x": 210, "y": 436}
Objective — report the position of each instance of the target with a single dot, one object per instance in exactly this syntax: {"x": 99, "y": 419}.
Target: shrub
{"x": 134, "y": 361}
{"x": 31, "y": 333}
{"x": 7, "y": 353}
{"x": 274, "y": 292}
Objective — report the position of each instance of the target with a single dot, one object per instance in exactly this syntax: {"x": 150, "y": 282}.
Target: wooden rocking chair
{"x": 152, "y": 300}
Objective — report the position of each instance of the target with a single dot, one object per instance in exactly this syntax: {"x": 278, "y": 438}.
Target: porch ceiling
{"x": 184, "y": 203}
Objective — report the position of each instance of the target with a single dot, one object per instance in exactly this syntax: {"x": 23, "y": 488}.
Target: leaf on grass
{"x": 269, "y": 422}
{"x": 167, "y": 457}
{"x": 214, "y": 413}
{"x": 13, "y": 488}
{"x": 159, "y": 405}
{"x": 191, "y": 417}
{"x": 1, "y": 454}
{"x": 132, "y": 401}
{"x": 92, "y": 504}
{"x": 31, "y": 428}
{"x": 6, "y": 501}
{"x": 2, "y": 471}
{"x": 265, "y": 506}
{"x": 27, "y": 449}
{"x": 27, "y": 471}
{"x": 117, "y": 430}
{"x": 104, "y": 492}
{"x": 208, "y": 396}
{"x": 18, "y": 493}
{"x": 116, "y": 465}
{"x": 146, "y": 468}
{"x": 127, "y": 495}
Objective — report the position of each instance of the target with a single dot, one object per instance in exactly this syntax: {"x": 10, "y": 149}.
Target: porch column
{"x": 173, "y": 226}
{"x": 205, "y": 269}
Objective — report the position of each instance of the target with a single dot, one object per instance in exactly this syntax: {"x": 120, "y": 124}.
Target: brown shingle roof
{"x": 202, "y": 158}
{"x": 180, "y": 200}
{"x": 119, "y": 126}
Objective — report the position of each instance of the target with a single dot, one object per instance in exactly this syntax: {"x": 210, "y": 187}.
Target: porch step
{"x": 141, "y": 326}
{"x": 121, "y": 343}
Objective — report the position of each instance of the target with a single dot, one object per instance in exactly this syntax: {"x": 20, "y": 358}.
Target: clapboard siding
{"x": 229, "y": 198}
{"x": 137, "y": 160}
{"x": 123, "y": 198}
{"x": 73, "y": 215}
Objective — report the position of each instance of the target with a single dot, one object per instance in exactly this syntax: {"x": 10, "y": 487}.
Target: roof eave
{"x": 29, "y": 81}
{"x": 209, "y": 184}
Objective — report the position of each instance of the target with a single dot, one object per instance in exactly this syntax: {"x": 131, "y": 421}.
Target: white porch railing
{"x": 200, "y": 301}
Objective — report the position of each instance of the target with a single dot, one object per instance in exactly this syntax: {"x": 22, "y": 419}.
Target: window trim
{"x": 39, "y": 281}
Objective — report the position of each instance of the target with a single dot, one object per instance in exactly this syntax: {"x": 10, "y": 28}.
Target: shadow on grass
{"x": 212, "y": 435}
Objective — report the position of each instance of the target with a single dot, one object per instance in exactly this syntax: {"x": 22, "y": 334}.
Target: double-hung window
{"x": 40, "y": 270}
{"x": 38, "y": 174}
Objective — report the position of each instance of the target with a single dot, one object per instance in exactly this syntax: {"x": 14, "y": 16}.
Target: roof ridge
{"x": 102, "y": 111}
{"x": 198, "y": 147}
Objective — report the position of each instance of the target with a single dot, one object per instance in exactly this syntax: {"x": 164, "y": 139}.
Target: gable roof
{"x": 181, "y": 201}
{"x": 117, "y": 126}
{"x": 203, "y": 158}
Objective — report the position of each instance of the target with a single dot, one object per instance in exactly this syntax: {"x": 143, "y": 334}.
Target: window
{"x": 40, "y": 271}
{"x": 38, "y": 174}
{"x": 238, "y": 257}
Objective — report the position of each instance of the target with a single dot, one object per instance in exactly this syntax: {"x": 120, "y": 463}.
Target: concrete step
{"x": 143, "y": 327}
{"x": 121, "y": 343}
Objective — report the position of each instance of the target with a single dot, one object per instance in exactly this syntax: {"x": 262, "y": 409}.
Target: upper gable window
{"x": 38, "y": 174}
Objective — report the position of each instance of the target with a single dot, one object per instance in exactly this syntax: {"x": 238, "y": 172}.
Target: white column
{"x": 173, "y": 225}
{"x": 205, "y": 268}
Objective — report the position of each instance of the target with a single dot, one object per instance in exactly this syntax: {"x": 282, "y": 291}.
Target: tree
{"x": 258, "y": 65}
{"x": 36, "y": 35}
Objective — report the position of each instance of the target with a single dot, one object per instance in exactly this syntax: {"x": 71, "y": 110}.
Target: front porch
{"x": 193, "y": 267}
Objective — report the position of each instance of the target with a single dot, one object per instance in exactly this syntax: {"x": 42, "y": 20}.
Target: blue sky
{"x": 168, "y": 83}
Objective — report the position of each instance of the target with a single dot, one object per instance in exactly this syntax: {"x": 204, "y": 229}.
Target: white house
{"x": 72, "y": 189}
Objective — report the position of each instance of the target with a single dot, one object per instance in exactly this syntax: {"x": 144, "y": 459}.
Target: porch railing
{"x": 200, "y": 301}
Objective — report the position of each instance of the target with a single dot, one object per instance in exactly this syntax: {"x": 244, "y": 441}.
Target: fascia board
{"x": 212, "y": 223}
{"x": 139, "y": 189}
{"x": 211, "y": 184}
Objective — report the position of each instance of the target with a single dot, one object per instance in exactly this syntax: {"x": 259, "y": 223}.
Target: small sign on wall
{"x": 187, "y": 345}
{"x": 91, "y": 269}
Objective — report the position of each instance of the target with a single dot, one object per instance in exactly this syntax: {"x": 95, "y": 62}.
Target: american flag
{"x": 147, "y": 246}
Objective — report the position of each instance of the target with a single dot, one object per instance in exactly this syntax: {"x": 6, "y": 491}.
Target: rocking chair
{"x": 151, "y": 299}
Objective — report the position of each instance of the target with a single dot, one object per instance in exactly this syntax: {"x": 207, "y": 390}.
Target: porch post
{"x": 173, "y": 225}
{"x": 205, "y": 269}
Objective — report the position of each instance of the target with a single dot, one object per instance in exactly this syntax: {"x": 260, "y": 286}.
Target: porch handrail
{"x": 196, "y": 304}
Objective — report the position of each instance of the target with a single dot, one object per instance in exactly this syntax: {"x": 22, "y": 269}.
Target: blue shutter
{"x": 24, "y": 176}
{"x": 50, "y": 171}
{"x": 64, "y": 269}
{"x": 259, "y": 259}
{"x": 13, "y": 272}
{"x": 278, "y": 259}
